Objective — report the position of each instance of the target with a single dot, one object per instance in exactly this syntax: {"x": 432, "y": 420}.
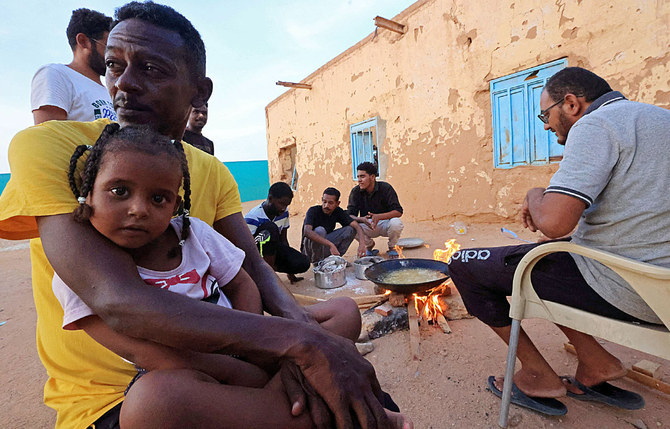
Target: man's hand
{"x": 361, "y": 249}
{"x": 344, "y": 380}
{"x": 301, "y": 395}
{"x": 554, "y": 214}
{"x": 374, "y": 219}
{"x": 333, "y": 250}
{"x": 526, "y": 218}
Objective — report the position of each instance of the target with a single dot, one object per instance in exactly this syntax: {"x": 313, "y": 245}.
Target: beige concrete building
{"x": 422, "y": 103}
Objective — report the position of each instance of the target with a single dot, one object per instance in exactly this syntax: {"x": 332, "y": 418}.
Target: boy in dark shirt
{"x": 268, "y": 223}
{"x": 320, "y": 238}
{"x": 375, "y": 206}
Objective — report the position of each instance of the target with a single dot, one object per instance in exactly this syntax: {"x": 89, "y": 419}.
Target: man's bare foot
{"x": 399, "y": 420}
{"x": 589, "y": 376}
{"x": 536, "y": 385}
{"x": 293, "y": 279}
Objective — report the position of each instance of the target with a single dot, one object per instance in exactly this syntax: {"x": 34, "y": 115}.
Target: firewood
{"x": 442, "y": 322}
{"x": 648, "y": 381}
{"x": 306, "y": 299}
{"x": 414, "y": 335}
{"x": 365, "y": 299}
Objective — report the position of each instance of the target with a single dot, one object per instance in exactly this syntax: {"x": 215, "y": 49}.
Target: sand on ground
{"x": 446, "y": 388}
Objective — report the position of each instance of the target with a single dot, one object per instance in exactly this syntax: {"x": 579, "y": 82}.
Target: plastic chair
{"x": 651, "y": 282}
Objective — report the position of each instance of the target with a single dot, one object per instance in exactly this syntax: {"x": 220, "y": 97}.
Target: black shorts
{"x": 109, "y": 420}
{"x": 483, "y": 277}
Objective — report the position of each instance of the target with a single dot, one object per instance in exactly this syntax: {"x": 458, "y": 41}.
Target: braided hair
{"x": 139, "y": 138}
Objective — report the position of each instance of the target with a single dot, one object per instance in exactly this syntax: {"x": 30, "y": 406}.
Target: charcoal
{"x": 377, "y": 325}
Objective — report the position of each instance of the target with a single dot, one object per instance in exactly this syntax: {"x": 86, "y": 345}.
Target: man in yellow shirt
{"x": 155, "y": 73}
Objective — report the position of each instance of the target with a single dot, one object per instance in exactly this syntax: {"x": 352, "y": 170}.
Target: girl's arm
{"x": 243, "y": 293}
{"x": 153, "y": 356}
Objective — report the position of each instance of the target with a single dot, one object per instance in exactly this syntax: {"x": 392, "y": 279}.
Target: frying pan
{"x": 376, "y": 272}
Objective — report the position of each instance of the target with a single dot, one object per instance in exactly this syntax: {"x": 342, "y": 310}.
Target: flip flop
{"x": 606, "y": 393}
{"x": 547, "y": 406}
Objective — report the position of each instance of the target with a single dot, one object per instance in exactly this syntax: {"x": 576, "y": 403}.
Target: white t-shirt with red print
{"x": 209, "y": 261}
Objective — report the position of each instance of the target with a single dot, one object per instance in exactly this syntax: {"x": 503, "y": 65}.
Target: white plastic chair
{"x": 651, "y": 282}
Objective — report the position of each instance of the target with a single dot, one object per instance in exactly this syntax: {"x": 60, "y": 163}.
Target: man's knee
{"x": 302, "y": 265}
{"x": 321, "y": 231}
{"x": 395, "y": 225}
{"x": 348, "y": 231}
{"x": 348, "y": 316}
{"x": 270, "y": 229}
{"x": 367, "y": 231}
{"x": 154, "y": 399}
{"x": 348, "y": 307}
{"x": 338, "y": 315}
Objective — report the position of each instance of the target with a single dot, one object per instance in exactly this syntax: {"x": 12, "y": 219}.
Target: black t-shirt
{"x": 383, "y": 199}
{"x": 199, "y": 141}
{"x": 316, "y": 217}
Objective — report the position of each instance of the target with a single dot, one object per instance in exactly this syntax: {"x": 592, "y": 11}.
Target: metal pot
{"x": 361, "y": 264}
{"x": 328, "y": 278}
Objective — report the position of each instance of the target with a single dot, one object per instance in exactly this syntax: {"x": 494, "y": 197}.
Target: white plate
{"x": 410, "y": 242}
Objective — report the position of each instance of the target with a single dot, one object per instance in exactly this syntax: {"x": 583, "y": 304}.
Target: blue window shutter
{"x": 519, "y": 137}
{"x": 502, "y": 131}
{"x": 367, "y": 146}
{"x": 518, "y": 123}
{"x": 362, "y": 144}
{"x": 354, "y": 153}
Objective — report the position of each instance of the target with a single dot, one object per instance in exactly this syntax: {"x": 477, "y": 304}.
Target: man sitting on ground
{"x": 268, "y": 223}
{"x": 612, "y": 184}
{"x": 320, "y": 238}
{"x": 374, "y": 205}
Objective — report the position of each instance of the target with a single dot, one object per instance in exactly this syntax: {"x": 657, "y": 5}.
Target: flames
{"x": 444, "y": 255}
{"x": 429, "y": 306}
{"x": 399, "y": 250}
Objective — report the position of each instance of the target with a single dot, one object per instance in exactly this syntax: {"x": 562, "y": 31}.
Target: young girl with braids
{"x": 129, "y": 192}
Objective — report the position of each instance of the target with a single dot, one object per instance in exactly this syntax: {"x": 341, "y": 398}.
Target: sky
{"x": 250, "y": 45}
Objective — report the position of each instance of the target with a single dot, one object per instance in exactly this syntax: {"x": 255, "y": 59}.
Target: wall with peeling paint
{"x": 430, "y": 90}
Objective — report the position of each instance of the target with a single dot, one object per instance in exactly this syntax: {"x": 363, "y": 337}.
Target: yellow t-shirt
{"x": 85, "y": 379}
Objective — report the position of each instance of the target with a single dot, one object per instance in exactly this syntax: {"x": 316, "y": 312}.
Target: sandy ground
{"x": 446, "y": 388}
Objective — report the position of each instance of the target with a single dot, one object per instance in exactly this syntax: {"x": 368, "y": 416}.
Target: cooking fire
{"x": 429, "y": 307}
